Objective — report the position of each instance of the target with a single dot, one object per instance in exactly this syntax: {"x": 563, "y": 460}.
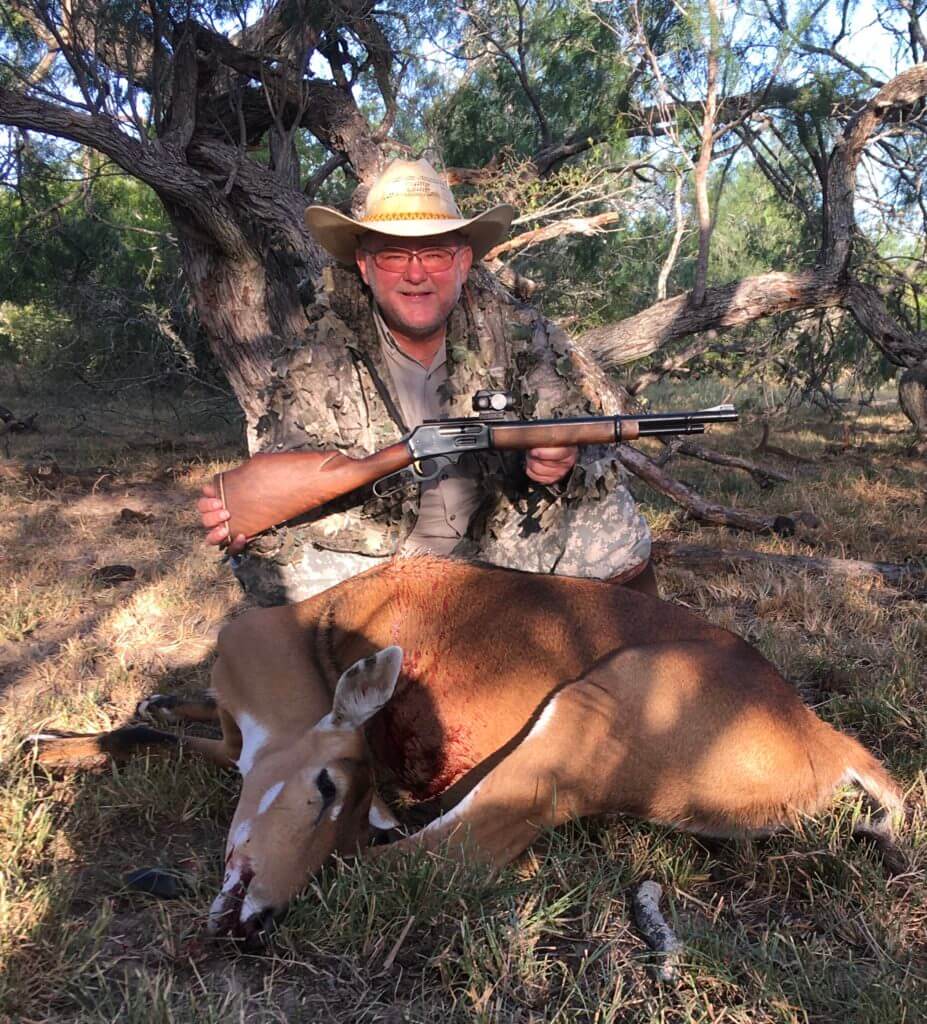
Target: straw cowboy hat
{"x": 408, "y": 200}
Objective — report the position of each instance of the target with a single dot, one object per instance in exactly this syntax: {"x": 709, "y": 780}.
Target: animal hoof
{"x": 157, "y": 705}
{"x": 155, "y": 882}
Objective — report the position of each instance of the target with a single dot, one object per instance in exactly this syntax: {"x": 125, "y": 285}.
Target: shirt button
{"x": 451, "y": 518}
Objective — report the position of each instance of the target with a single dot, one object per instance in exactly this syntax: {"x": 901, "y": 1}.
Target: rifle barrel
{"x": 684, "y": 422}
{"x": 657, "y": 429}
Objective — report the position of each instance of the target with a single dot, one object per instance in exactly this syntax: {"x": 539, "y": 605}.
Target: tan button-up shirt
{"x": 448, "y": 502}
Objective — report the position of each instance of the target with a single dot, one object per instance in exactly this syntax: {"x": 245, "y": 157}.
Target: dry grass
{"x": 798, "y": 928}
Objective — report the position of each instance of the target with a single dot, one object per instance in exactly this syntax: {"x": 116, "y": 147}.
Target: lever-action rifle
{"x": 271, "y": 488}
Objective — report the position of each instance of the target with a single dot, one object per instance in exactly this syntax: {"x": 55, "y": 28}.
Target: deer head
{"x": 300, "y": 802}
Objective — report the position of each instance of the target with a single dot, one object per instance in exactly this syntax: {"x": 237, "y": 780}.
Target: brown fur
{"x": 522, "y": 701}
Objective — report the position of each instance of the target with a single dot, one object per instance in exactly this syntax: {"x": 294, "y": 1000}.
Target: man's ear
{"x": 365, "y": 687}
{"x": 360, "y": 258}
{"x": 466, "y": 260}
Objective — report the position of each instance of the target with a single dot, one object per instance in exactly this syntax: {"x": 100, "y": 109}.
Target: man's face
{"x": 414, "y": 301}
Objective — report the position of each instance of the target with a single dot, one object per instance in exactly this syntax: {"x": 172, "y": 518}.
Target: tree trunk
{"x": 249, "y": 306}
{"x": 912, "y": 396}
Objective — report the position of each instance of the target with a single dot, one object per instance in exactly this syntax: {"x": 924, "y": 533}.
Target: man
{"x": 550, "y": 511}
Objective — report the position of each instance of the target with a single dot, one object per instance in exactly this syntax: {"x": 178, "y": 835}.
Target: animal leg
{"x": 172, "y": 707}
{"x": 90, "y": 750}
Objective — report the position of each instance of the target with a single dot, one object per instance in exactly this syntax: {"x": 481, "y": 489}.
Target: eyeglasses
{"x": 397, "y": 261}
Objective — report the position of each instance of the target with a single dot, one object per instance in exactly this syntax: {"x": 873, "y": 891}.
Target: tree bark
{"x": 702, "y": 207}
{"x": 912, "y": 396}
{"x": 731, "y": 305}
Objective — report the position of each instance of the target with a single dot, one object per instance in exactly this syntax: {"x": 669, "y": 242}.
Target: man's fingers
{"x": 549, "y": 477}
{"x": 214, "y": 518}
{"x": 548, "y": 465}
{"x": 238, "y": 544}
{"x": 208, "y": 504}
{"x": 553, "y": 454}
{"x": 217, "y": 535}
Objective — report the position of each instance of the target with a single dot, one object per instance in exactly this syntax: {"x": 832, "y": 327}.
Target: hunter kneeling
{"x": 556, "y": 509}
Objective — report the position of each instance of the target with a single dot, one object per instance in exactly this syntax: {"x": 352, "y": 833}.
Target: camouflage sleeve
{"x": 558, "y": 380}
{"x": 547, "y": 380}
{"x": 316, "y": 401}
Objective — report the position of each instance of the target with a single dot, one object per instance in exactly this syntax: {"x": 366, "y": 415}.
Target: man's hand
{"x": 548, "y": 465}
{"x": 213, "y": 517}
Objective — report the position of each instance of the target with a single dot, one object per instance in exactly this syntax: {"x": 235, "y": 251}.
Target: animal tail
{"x": 883, "y": 793}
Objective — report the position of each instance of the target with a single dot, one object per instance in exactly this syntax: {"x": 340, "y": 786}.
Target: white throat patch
{"x": 253, "y": 736}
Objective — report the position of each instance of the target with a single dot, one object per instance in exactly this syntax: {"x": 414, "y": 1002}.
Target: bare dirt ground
{"x": 803, "y": 927}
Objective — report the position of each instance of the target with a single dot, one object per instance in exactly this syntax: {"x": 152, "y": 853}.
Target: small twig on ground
{"x": 397, "y": 945}
{"x": 656, "y": 932}
{"x": 702, "y": 557}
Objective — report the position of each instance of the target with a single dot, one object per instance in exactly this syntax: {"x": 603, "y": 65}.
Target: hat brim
{"x": 339, "y": 235}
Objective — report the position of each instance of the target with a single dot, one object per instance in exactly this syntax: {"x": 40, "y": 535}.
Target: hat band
{"x": 412, "y": 215}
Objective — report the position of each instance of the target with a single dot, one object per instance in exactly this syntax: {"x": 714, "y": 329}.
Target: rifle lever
{"x": 397, "y": 481}
{"x": 420, "y": 471}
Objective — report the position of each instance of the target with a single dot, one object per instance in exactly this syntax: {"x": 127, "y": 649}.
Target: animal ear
{"x": 365, "y": 687}
{"x": 380, "y": 816}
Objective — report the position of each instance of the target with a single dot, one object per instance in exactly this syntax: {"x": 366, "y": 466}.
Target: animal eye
{"x": 326, "y": 787}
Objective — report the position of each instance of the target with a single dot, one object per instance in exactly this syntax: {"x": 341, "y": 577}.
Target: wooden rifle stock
{"x": 271, "y": 488}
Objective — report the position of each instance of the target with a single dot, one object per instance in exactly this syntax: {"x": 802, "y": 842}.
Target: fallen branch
{"x": 765, "y": 476}
{"x": 708, "y": 559}
{"x": 656, "y": 932}
{"x": 707, "y": 512}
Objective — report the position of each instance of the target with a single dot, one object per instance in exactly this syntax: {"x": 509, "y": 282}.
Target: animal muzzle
{"x": 238, "y": 913}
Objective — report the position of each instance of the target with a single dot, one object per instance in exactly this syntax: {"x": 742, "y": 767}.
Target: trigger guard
{"x": 438, "y": 461}
{"x": 420, "y": 471}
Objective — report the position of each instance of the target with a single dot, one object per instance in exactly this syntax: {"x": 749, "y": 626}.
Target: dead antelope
{"x": 506, "y": 702}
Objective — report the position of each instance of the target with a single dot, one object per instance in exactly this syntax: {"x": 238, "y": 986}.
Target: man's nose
{"x": 415, "y": 272}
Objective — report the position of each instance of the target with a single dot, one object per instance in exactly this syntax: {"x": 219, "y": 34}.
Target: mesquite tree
{"x": 215, "y": 107}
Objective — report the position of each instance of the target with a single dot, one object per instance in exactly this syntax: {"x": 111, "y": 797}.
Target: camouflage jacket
{"x": 333, "y": 393}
